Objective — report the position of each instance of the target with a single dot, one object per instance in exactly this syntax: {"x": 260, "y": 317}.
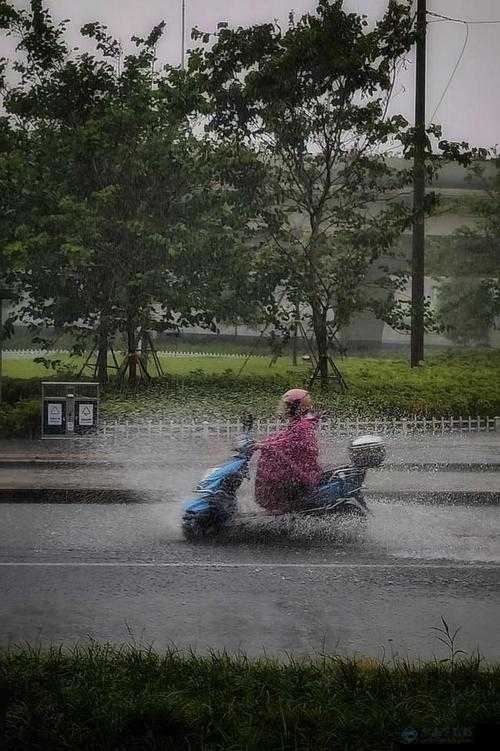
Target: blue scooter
{"x": 339, "y": 492}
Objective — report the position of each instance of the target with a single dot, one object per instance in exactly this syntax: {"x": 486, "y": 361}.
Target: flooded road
{"x": 123, "y": 573}
{"x": 394, "y": 531}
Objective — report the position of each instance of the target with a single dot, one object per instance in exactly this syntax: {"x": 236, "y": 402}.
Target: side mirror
{"x": 247, "y": 421}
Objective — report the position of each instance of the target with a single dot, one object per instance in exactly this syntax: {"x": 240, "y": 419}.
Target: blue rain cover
{"x": 198, "y": 506}
{"x": 212, "y": 483}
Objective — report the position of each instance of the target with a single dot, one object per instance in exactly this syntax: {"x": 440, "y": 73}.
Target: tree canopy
{"x": 312, "y": 101}
{"x": 469, "y": 290}
{"x": 254, "y": 183}
{"x": 117, "y": 213}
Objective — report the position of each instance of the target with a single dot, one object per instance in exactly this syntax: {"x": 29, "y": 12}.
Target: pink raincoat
{"x": 288, "y": 465}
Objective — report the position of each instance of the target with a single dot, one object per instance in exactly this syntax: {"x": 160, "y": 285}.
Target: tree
{"x": 467, "y": 265}
{"x": 127, "y": 212}
{"x": 312, "y": 101}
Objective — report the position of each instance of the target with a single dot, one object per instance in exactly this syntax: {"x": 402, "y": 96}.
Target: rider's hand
{"x": 245, "y": 445}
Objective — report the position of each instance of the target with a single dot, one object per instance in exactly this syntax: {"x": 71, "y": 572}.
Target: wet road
{"x": 158, "y": 468}
{"x": 123, "y": 573}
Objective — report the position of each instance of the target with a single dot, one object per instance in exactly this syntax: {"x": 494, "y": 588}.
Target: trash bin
{"x": 85, "y": 416}
{"x": 54, "y": 417}
{"x": 69, "y": 409}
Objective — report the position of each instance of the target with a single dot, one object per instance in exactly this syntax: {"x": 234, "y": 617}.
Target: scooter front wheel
{"x": 196, "y": 528}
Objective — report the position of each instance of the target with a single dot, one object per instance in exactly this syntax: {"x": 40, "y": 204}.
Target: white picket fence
{"x": 235, "y": 355}
{"x": 334, "y": 427}
{"x": 161, "y": 353}
{"x": 33, "y": 352}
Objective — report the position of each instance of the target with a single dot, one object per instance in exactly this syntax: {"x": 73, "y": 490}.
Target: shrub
{"x": 17, "y": 389}
{"x": 21, "y": 420}
{"x": 450, "y": 384}
{"x": 446, "y": 387}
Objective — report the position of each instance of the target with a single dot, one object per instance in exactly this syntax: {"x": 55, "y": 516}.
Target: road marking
{"x": 198, "y": 564}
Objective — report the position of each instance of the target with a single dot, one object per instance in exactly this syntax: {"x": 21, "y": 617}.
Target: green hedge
{"x": 20, "y": 420}
{"x": 17, "y": 389}
{"x": 116, "y": 700}
{"x": 376, "y": 388}
{"x": 450, "y": 384}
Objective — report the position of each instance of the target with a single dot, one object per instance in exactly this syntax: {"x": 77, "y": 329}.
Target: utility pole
{"x": 183, "y": 32}
{"x": 1, "y": 342}
{"x": 418, "y": 243}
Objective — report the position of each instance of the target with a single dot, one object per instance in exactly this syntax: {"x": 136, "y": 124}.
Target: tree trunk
{"x": 102, "y": 354}
{"x": 132, "y": 354}
{"x": 319, "y": 310}
{"x": 144, "y": 348}
{"x": 321, "y": 337}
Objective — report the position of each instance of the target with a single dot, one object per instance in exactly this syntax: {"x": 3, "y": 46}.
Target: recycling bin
{"x": 54, "y": 417}
{"x": 69, "y": 409}
{"x": 85, "y": 415}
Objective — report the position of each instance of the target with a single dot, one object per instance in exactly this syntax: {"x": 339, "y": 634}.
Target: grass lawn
{"x": 25, "y": 367}
{"x": 456, "y": 384}
{"x": 109, "y": 699}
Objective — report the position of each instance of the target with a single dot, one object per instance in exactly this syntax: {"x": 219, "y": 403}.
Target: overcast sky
{"x": 470, "y": 110}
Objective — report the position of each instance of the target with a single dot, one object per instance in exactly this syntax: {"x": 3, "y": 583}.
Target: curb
{"x": 112, "y": 496}
{"x": 442, "y": 467}
{"x": 70, "y": 495}
{"x": 438, "y": 498}
{"x": 104, "y": 463}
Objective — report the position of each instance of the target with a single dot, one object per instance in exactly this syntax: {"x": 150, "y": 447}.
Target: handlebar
{"x": 247, "y": 421}
{"x": 245, "y": 446}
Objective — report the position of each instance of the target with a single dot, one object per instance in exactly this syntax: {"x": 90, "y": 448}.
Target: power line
{"x": 459, "y": 20}
{"x": 183, "y": 32}
{"x": 452, "y": 74}
{"x": 466, "y": 23}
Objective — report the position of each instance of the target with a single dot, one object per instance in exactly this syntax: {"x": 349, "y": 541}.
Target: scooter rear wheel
{"x": 359, "y": 510}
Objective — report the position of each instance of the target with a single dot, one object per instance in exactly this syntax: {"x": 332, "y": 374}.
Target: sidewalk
{"x": 455, "y": 452}
{"x": 457, "y": 468}
{"x": 48, "y": 473}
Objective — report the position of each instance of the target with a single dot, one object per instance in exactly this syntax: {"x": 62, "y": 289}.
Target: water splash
{"x": 457, "y": 533}
{"x": 165, "y": 470}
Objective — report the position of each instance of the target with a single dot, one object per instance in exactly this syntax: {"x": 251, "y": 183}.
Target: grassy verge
{"x": 205, "y": 388}
{"x": 104, "y": 698}
{"x": 202, "y": 388}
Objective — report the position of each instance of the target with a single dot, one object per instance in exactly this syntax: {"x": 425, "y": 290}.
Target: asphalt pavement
{"x": 454, "y": 468}
{"x": 123, "y": 573}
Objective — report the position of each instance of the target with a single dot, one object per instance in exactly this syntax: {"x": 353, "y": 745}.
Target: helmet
{"x": 296, "y": 402}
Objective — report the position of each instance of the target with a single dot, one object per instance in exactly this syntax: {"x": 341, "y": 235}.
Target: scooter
{"x": 339, "y": 492}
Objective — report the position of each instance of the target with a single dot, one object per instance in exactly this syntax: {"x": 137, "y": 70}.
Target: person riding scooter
{"x": 289, "y": 478}
{"x": 288, "y": 469}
